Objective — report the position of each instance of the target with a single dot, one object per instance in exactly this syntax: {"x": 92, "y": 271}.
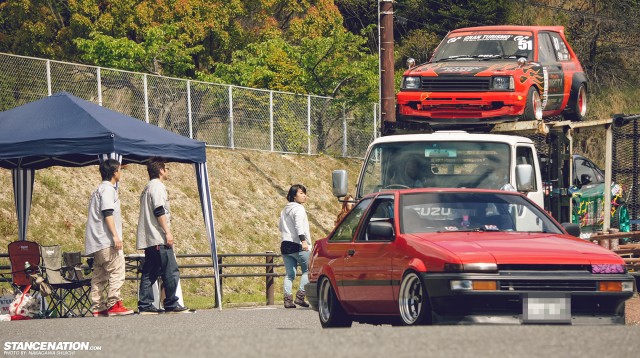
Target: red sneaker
{"x": 103, "y": 313}
{"x": 119, "y": 310}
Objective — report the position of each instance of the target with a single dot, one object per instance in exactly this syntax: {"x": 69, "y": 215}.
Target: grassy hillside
{"x": 248, "y": 191}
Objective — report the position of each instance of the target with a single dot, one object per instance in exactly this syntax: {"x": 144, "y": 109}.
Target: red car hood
{"x": 523, "y": 248}
{"x": 467, "y": 68}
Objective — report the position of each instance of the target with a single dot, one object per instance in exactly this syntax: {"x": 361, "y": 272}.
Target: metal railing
{"x": 219, "y": 115}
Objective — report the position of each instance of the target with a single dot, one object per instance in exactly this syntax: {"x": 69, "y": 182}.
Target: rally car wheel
{"x": 578, "y": 109}
{"x": 330, "y": 309}
{"x": 533, "y": 107}
{"x": 413, "y": 301}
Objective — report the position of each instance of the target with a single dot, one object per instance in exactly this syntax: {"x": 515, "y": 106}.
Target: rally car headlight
{"x": 503, "y": 83}
{"x": 412, "y": 82}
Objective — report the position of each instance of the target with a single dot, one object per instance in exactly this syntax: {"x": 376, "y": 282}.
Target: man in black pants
{"x": 155, "y": 237}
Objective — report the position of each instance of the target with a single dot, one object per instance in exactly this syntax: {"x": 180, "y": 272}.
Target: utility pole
{"x": 387, "y": 85}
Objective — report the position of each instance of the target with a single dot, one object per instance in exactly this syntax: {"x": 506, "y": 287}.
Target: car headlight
{"x": 503, "y": 83}
{"x": 412, "y": 82}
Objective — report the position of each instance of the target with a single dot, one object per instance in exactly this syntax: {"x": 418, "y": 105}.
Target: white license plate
{"x": 546, "y": 307}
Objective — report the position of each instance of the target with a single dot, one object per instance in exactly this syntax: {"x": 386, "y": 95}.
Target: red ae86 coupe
{"x": 495, "y": 74}
{"x": 451, "y": 256}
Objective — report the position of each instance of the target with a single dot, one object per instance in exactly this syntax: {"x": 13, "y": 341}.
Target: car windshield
{"x": 435, "y": 164}
{"x": 461, "y": 46}
{"x": 472, "y": 211}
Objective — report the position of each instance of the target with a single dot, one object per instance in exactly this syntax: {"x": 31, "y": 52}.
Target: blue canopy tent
{"x": 64, "y": 130}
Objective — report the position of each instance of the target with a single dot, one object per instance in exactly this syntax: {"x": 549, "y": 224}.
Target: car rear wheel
{"x": 578, "y": 109}
{"x": 330, "y": 309}
{"x": 413, "y": 301}
{"x": 533, "y": 107}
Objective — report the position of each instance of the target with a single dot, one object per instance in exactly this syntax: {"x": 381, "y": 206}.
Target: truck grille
{"x": 544, "y": 285}
{"x": 454, "y": 84}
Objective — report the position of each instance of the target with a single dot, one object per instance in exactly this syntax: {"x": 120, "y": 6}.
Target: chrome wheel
{"x": 330, "y": 310}
{"x": 324, "y": 308}
{"x": 537, "y": 105}
{"x": 581, "y": 105}
{"x": 411, "y": 300}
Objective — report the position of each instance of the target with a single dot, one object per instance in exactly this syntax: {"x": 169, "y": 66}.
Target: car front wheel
{"x": 413, "y": 301}
{"x": 330, "y": 310}
{"x": 533, "y": 107}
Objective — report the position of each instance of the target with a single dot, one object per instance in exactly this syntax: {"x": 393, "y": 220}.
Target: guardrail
{"x": 134, "y": 264}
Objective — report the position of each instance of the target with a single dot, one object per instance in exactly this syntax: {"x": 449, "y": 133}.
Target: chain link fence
{"x": 588, "y": 204}
{"x": 219, "y": 115}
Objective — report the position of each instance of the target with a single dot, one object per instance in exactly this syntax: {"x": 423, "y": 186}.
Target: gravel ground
{"x": 632, "y": 311}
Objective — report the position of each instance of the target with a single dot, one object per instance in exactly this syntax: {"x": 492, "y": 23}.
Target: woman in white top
{"x": 295, "y": 244}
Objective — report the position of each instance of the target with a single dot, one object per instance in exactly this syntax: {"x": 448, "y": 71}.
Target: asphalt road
{"x": 276, "y": 332}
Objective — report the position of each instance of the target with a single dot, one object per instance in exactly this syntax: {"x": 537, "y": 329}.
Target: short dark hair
{"x": 294, "y": 190}
{"x": 154, "y": 166}
{"x": 108, "y": 169}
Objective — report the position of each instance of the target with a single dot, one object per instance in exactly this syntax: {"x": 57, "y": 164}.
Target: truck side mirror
{"x": 524, "y": 177}
{"x": 572, "y": 229}
{"x": 339, "y": 182}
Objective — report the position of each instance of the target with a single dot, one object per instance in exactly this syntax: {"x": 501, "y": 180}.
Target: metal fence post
{"x": 99, "y": 78}
{"x": 271, "y": 118}
{"x": 344, "y": 129}
{"x": 375, "y": 121}
{"x": 270, "y": 278}
{"x": 309, "y": 125}
{"x": 189, "y": 111}
{"x": 146, "y": 99}
{"x": 48, "y": 77}
{"x": 231, "y": 145}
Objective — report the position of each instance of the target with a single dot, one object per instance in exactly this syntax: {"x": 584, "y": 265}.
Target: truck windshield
{"x": 485, "y": 46}
{"x": 435, "y": 165}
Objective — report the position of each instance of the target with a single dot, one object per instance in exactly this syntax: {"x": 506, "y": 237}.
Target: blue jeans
{"x": 159, "y": 261}
{"x": 291, "y": 261}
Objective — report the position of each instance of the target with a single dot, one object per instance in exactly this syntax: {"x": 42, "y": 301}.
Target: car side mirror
{"x": 572, "y": 229}
{"x": 380, "y": 231}
{"x": 524, "y": 177}
{"x": 339, "y": 181}
{"x": 585, "y": 179}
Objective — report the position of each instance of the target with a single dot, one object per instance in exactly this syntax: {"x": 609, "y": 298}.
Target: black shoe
{"x": 149, "y": 310}
{"x": 177, "y": 309}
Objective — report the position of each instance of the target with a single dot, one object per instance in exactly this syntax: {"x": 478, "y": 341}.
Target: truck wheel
{"x": 578, "y": 109}
{"x": 533, "y": 108}
{"x": 330, "y": 309}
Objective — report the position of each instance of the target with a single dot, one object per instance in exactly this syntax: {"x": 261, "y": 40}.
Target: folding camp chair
{"x": 24, "y": 257}
{"x": 69, "y": 297}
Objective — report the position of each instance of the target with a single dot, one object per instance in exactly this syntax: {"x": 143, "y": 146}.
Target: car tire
{"x": 330, "y": 309}
{"x": 533, "y": 107}
{"x": 413, "y": 301}
{"x": 577, "y": 110}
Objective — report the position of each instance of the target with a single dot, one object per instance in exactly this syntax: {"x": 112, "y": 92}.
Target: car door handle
{"x": 351, "y": 252}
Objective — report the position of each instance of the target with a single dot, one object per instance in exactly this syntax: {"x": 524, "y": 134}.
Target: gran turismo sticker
{"x": 486, "y": 38}
{"x": 460, "y": 69}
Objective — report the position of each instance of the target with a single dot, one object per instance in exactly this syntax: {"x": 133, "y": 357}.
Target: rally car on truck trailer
{"x": 492, "y": 74}
{"x": 455, "y": 256}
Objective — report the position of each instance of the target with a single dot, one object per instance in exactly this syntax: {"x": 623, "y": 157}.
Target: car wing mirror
{"x": 380, "y": 231}
{"x": 339, "y": 182}
{"x": 572, "y": 229}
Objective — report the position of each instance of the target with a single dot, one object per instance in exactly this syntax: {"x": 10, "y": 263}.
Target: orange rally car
{"x": 493, "y": 74}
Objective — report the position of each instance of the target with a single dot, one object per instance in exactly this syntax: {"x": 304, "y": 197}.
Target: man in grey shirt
{"x": 155, "y": 237}
{"x": 103, "y": 240}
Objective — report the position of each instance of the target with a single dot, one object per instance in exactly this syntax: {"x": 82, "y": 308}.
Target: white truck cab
{"x": 448, "y": 159}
